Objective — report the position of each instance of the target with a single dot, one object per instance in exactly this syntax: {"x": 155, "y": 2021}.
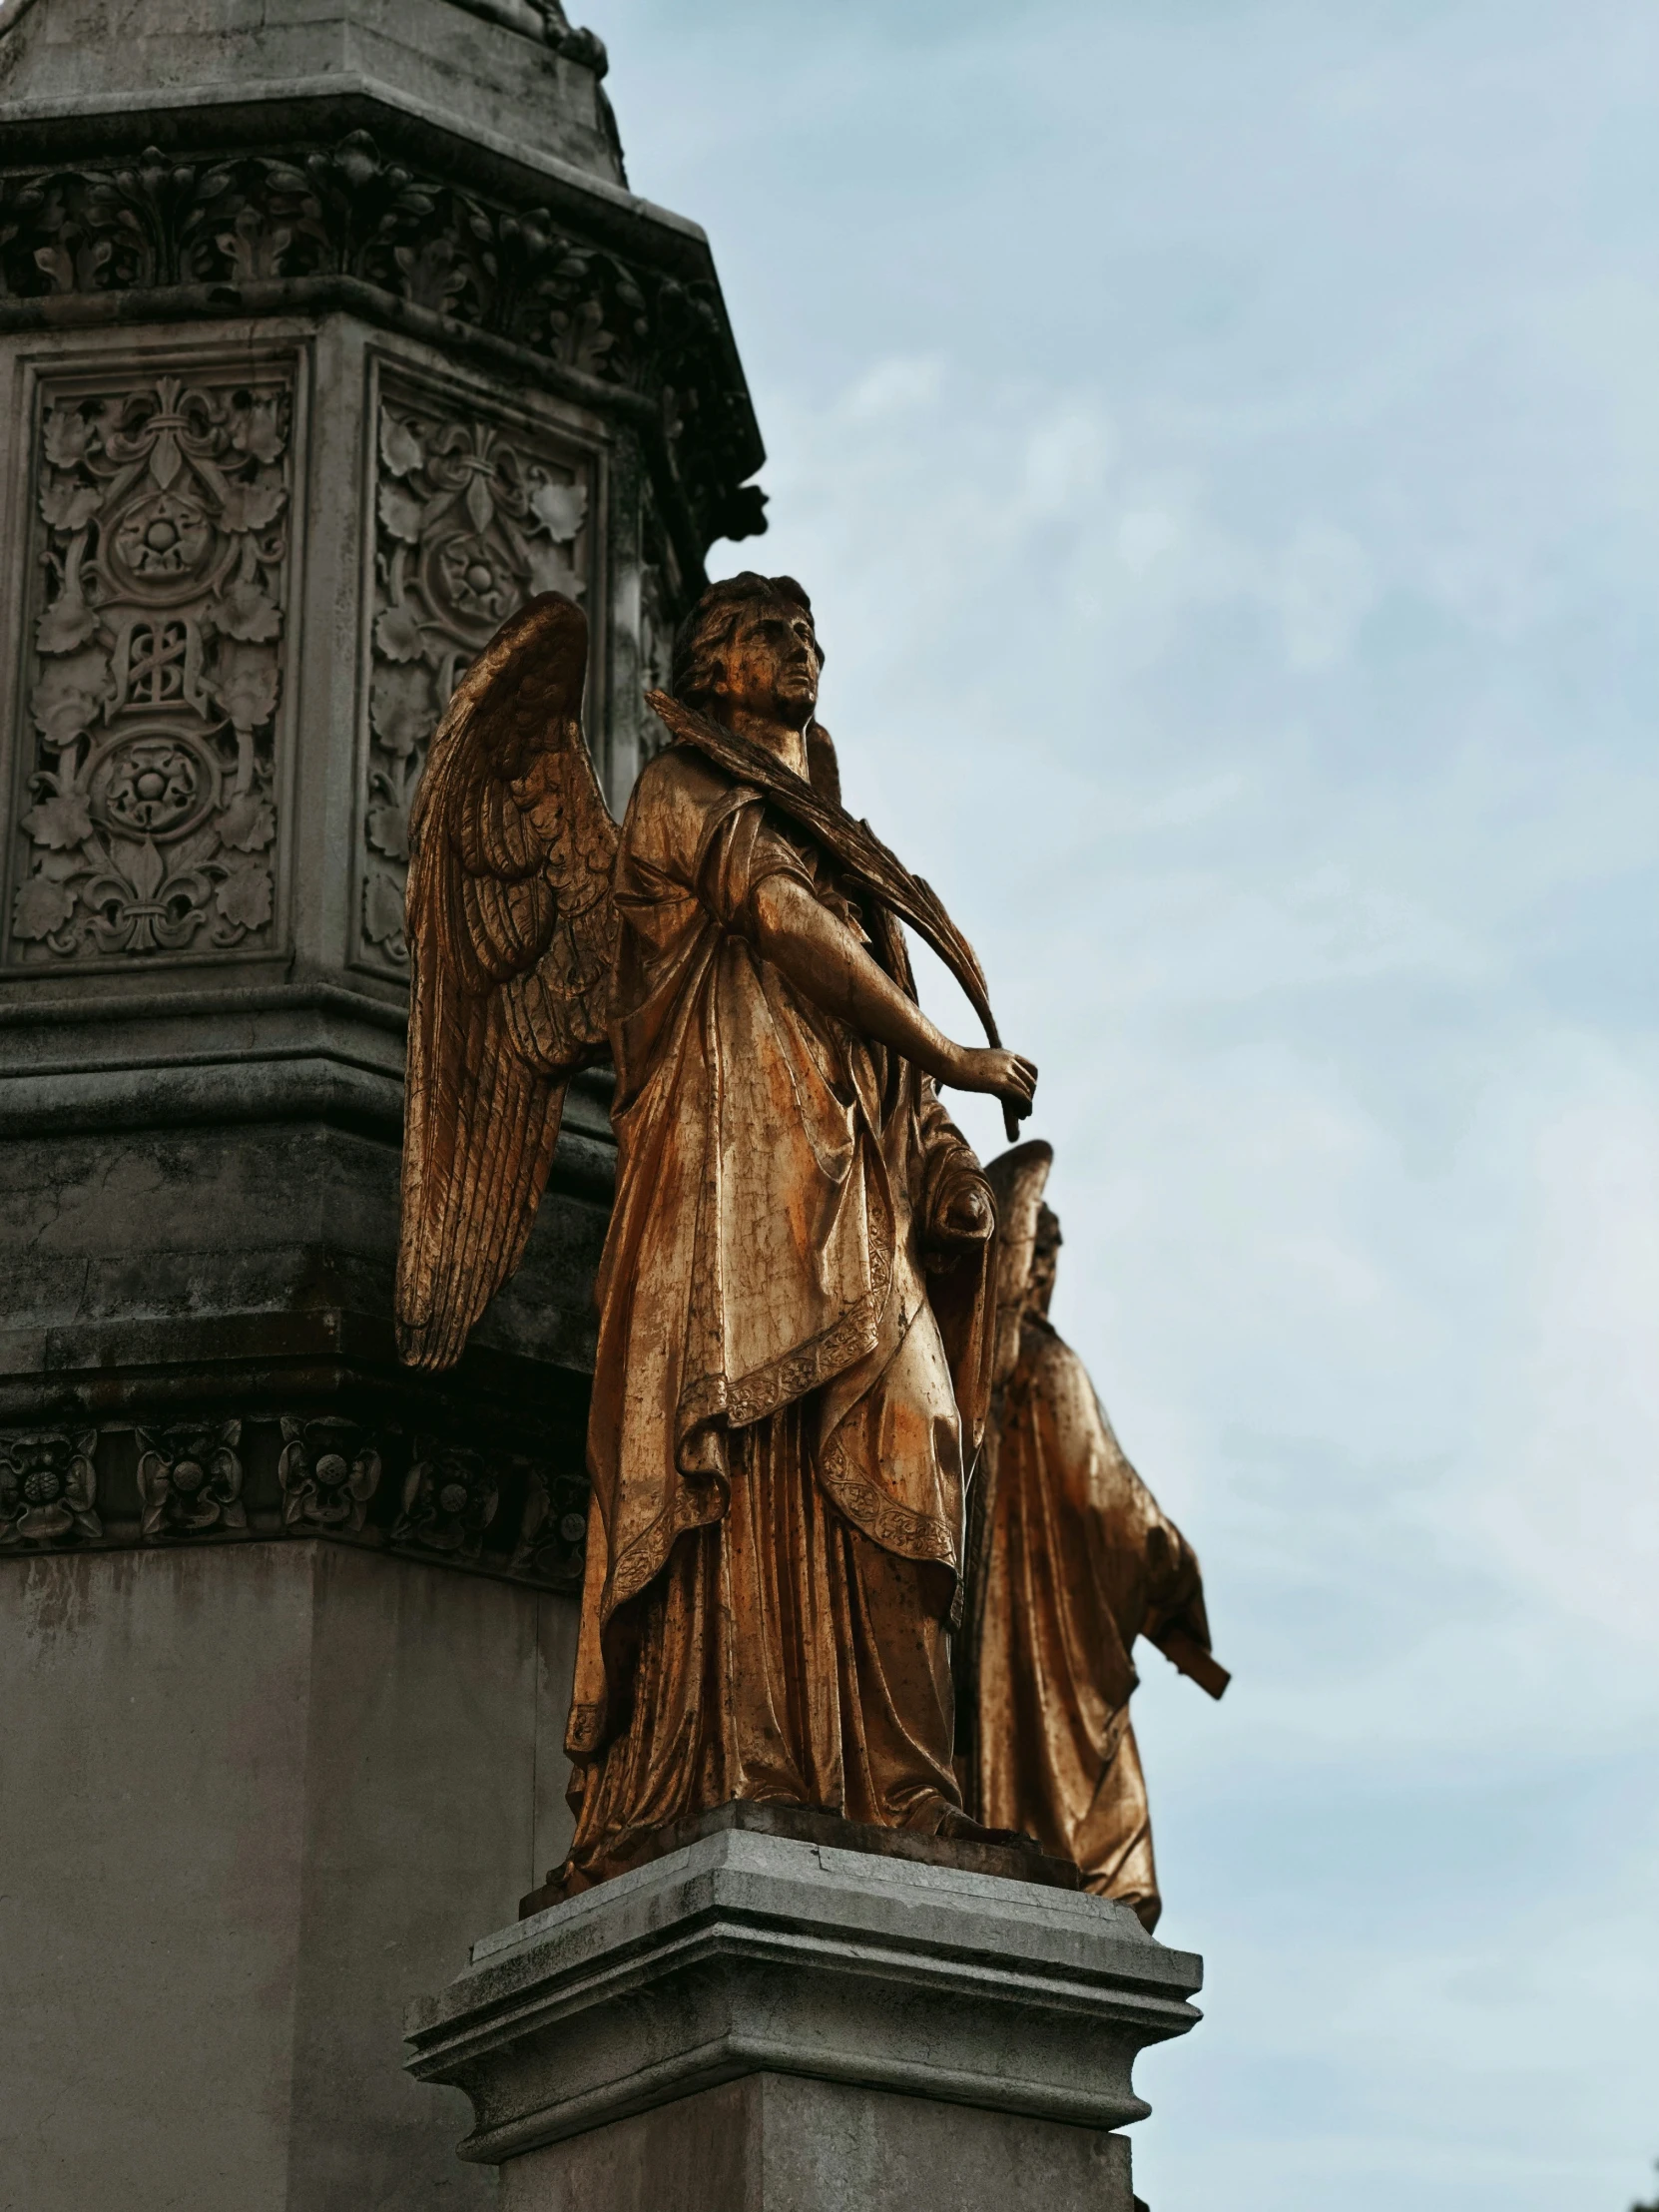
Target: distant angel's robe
{"x": 1077, "y": 1559}
{"x": 783, "y": 1396}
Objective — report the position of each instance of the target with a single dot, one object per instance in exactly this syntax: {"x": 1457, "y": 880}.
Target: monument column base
{"x": 757, "y": 2023}
{"x": 773, "y": 2143}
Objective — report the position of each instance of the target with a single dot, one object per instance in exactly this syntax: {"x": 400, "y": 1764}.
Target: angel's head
{"x": 1045, "y": 1260}
{"x": 748, "y": 648}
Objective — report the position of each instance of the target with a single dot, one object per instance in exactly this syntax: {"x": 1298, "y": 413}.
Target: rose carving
{"x": 329, "y": 1470}
{"x": 449, "y": 1499}
{"x": 48, "y": 1487}
{"x": 190, "y": 1480}
{"x": 553, "y": 1535}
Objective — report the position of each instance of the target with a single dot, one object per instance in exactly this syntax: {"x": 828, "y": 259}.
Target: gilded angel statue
{"x": 1073, "y": 1559}
{"x": 794, "y": 1297}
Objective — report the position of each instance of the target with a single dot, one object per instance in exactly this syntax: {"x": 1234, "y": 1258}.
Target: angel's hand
{"x": 960, "y": 1213}
{"x": 996, "y": 1071}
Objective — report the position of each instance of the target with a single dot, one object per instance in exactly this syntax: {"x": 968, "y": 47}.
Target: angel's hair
{"x": 710, "y": 627}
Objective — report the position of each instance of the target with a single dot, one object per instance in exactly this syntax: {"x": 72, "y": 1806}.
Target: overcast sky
{"x": 1222, "y": 442}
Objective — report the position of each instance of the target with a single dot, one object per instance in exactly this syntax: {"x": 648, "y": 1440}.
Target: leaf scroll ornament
{"x": 474, "y": 517}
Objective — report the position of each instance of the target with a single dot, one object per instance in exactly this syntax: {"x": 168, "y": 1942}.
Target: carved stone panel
{"x": 475, "y": 511}
{"x": 155, "y": 667}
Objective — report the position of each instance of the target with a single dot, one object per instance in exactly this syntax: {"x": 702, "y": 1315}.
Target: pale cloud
{"x": 893, "y": 387}
{"x": 1323, "y": 588}
{"x": 1067, "y": 458}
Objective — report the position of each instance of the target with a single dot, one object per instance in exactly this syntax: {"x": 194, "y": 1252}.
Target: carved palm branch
{"x": 511, "y": 929}
{"x": 871, "y": 864}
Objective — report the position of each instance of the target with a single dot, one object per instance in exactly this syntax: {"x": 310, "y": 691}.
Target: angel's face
{"x": 772, "y": 663}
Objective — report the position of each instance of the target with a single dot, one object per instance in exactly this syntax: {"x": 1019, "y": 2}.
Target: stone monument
{"x": 330, "y": 332}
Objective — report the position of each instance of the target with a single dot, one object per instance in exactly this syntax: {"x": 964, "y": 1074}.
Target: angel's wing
{"x": 511, "y": 931}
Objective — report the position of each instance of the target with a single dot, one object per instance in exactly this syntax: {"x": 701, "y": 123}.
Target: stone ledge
{"x": 474, "y": 66}
{"x": 752, "y": 1954}
{"x": 807, "y": 1824}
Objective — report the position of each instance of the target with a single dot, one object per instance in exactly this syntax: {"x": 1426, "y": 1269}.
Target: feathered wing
{"x": 511, "y": 929}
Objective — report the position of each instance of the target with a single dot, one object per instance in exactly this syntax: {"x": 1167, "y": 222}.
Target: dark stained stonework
{"x": 313, "y": 368}
{"x": 115, "y": 1488}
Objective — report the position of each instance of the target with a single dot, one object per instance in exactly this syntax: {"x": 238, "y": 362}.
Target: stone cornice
{"x": 606, "y": 303}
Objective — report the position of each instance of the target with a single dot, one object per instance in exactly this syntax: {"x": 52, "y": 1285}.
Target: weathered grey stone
{"x": 296, "y": 412}
{"x": 254, "y": 1798}
{"x": 484, "y": 68}
{"x": 898, "y": 1990}
{"x": 770, "y": 2143}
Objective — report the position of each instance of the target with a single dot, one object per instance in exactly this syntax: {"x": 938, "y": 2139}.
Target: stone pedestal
{"x": 254, "y": 1798}
{"x": 756, "y": 2024}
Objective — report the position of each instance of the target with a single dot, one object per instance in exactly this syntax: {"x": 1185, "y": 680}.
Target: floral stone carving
{"x": 553, "y": 1536}
{"x": 190, "y": 1480}
{"x": 473, "y": 517}
{"x": 329, "y": 1470}
{"x": 160, "y": 516}
{"x": 449, "y": 1499}
{"x": 48, "y": 1487}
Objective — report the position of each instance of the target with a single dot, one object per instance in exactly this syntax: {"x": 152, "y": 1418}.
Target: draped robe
{"x": 787, "y": 1383}
{"x": 1078, "y": 1560}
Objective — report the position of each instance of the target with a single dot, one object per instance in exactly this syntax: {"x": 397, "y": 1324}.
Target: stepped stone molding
{"x": 936, "y": 2034}
{"x": 477, "y": 508}
{"x": 157, "y": 675}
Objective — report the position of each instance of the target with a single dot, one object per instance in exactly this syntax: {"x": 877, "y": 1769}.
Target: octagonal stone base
{"x": 754, "y": 2022}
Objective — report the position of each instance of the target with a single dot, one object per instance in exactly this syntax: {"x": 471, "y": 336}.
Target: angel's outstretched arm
{"x": 828, "y": 964}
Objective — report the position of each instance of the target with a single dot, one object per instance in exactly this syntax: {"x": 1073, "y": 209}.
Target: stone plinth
{"x": 753, "y": 2022}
